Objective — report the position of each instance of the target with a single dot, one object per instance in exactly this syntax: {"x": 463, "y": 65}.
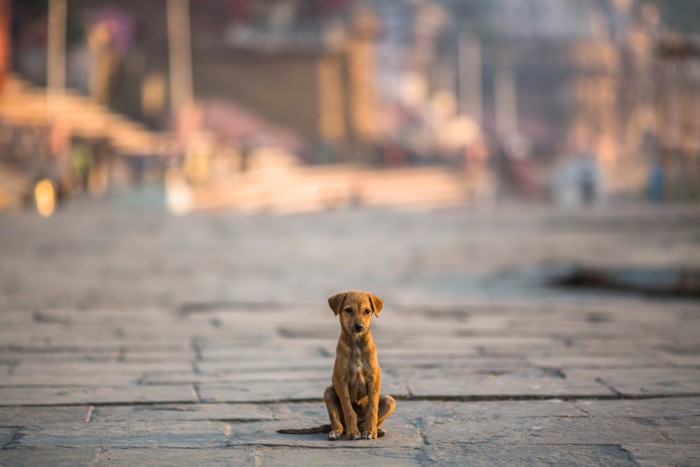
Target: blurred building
{"x": 567, "y": 76}
{"x": 516, "y": 86}
{"x": 307, "y": 65}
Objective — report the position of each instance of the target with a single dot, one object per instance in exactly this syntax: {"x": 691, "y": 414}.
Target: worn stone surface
{"x": 541, "y": 454}
{"x": 661, "y": 455}
{"x": 57, "y": 395}
{"x": 27, "y": 456}
{"x": 133, "y": 338}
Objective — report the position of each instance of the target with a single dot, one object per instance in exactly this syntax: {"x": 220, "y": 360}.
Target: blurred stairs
{"x": 24, "y": 104}
{"x": 295, "y": 189}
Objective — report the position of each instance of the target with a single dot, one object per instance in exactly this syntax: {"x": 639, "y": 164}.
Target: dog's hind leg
{"x": 335, "y": 413}
{"x": 387, "y": 404}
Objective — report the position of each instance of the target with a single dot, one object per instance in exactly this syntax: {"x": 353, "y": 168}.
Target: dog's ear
{"x": 336, "y": 302}
{"x": 376, "y": 303}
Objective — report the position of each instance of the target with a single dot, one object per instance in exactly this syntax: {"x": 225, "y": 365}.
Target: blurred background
{"x": 290, "y": 105}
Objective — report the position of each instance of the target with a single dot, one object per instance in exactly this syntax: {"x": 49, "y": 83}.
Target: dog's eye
{"x": 367, "y": 311}
{"x": 348, "y": 311}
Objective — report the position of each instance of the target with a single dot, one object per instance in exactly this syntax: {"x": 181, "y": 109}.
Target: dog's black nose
{"x": 358, "y": 327}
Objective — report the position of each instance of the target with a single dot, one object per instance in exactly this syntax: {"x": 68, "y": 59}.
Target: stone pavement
{"x": 130, "y": 337}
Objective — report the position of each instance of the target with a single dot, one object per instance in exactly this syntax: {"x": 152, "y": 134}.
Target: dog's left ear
{"x": 376, "y": 303}
{"x": 336, "y": 302}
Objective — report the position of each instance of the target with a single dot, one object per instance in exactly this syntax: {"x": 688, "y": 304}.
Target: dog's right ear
{"x": 336, "y": 302}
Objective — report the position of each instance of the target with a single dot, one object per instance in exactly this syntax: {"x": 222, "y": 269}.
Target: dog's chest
{"x": 359, "y": 378}
{"x": 357, "y": 370}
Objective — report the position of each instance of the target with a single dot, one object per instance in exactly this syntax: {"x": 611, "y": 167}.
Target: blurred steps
{"x": 24, "y": 104}
{"x": 310, "y": 189}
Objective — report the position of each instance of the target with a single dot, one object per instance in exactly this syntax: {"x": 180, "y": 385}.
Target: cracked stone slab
{"x": 384, "y": 456}
{"x": 664, "y": 454}
{"x": 599, "y": 361}
{"x": 87, "y": 373}
{"x": 272, "y": 377}
{"x": 530, "y": 382}
{"x": 494, "y": 410}
{"x": 95, "y": 395}
{"x": 20, "y": 416}
{"x": 261, "y": 391}
{"x": 647, "y": 381}
{"x": 541, "y": 454}
{"x": 129, "y": 434}
{"x": 8, "y": 435}
{"x": 123, "y": 354}
{"x": 98, "y": 346}
{"x": 55, "y": 456}
{"x": 682, "y": 360}
{"x": 217, "y": 349}
{"x": 399, "y": 435}
{"x": 281, "y": 361}
{"x": 662, "y": 407}
{"x": 538, "y": 430}
{"x": 401, "y": 430}
{"x": 130, "y": 457}
{"x": 68, "y": 337}
{"x": 226, "y": 413}
{"x": 451, "y": 362}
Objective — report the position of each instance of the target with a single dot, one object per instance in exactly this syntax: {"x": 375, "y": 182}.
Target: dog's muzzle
{"x": 358, "y": 327}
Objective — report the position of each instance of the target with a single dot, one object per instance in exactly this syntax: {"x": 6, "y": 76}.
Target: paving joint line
{"x": 505, "y": 398}
{"x": 609, "y": 386}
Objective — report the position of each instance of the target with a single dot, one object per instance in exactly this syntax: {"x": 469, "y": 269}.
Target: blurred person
{"x": 59, "y": 157}
{"x": 98, "y": 182}
{"x": 108, "y": 39}
{"x": 578, "y": 181}
{"x": 103, "y": 63}
{"x": 480, "y": 183}
{"x": 526, "y": 171}
{"x": 587, "y": 177}
{"x": 82, "y": 160}
{"x": 245, "y": 150}
{"x": 153, "y": 98}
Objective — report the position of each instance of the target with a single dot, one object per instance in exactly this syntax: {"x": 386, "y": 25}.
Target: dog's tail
{"x": 306, "y": 431}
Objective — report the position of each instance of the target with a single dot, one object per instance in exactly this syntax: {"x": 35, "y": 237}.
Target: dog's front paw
{"x": 352, "y": 435}
{"x": 334, "y": 435}
{"x": 369, "y": 435}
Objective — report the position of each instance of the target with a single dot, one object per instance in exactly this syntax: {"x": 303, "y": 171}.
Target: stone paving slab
{"x": 82, "y": 373}
{"x": 524, "y": 383}
{"x": 224, "y": 413}
{"x": 69, "y": 457}
{"x": 423, "y": 431}
{"x": 540, "y": 454}
{"x": 661, "y": 455}
{"x": 56, "y": 395}
{"x": 132, "y": 434}
{"x": 131, "y": 338}
{"x": 656, "y": 381}
{"x": 667, "y": 406}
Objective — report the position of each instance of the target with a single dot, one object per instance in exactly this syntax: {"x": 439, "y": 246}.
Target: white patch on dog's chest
{"x": 357, "y": 369}
{"x": 358, "y": 387}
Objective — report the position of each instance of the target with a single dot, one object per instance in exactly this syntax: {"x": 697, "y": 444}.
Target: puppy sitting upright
{"x": 353, "y": 401}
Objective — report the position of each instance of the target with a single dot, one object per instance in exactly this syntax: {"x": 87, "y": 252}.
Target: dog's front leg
{"x": 369, "y": 427}
{"x": 351, "y": 431}
{"x": 335, "y": 413}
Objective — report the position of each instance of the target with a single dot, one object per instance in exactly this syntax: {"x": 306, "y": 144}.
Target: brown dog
{"x": 353, "y": 401}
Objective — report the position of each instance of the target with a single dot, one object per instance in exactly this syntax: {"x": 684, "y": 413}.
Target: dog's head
{"x": 355, "y": 309}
